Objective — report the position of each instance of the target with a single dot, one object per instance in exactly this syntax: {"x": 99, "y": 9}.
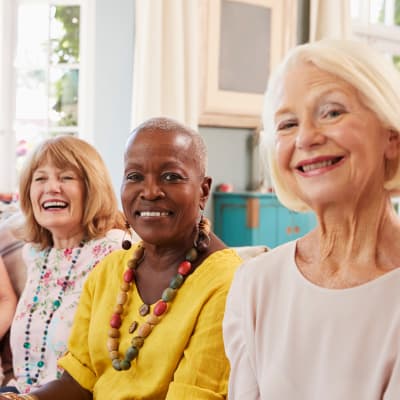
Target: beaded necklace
{"x": 35, "y": 303}
{"x": 160, "y": 308}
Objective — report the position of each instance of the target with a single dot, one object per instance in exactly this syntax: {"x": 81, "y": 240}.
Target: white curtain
{"x": 330, "y": 19}
{"x": 165, "y": 75}
{"x": 7, "y": 96}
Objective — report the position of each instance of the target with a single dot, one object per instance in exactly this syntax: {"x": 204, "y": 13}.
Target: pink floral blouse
{"x": 46, "y": 308}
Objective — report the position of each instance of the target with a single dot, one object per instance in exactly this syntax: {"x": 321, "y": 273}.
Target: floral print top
{"x": 43, "y": 287}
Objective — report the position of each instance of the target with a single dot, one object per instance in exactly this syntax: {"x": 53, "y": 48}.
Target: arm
{"x": 8, "y": 300}
{"x": 242, "y": 380}
{"x": 65, "y": 388}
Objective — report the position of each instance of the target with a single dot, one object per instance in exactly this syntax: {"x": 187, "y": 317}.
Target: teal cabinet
{"x": 251, "y": 219}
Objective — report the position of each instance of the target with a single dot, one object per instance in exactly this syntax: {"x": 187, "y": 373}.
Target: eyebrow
{"x": 321, "y": 95}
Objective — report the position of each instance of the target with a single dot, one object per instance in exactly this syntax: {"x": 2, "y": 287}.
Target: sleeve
{"x": 202, "y": 373}
{"x": 242, "y": 380}
{"x": 77, "y": 361}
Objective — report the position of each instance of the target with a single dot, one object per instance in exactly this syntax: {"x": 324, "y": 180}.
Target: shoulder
{"x": 267, "y": 266}
{"x": 223, "y": 262}
{"x": 102, "y": 246}
{"x": 113, "y": 262}
{"x": 115, "y": 235}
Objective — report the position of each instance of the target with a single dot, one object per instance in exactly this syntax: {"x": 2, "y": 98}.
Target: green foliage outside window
{"x": 65, "y": 49}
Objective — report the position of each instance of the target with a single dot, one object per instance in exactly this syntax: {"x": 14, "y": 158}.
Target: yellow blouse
{"x": 182, "y": 358}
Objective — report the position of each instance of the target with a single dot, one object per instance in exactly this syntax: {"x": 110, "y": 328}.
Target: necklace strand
{"x": 35, "y": 304}
{"x": 160, "y": 308}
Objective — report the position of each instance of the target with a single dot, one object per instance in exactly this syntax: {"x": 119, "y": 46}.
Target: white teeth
{"x": 317, "y": 165}
{"x": 49, "y": 204}
{"x": 153, "y": 214}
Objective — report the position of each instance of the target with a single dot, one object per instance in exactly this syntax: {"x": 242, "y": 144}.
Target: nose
{"x": 52, "y": 186}
{"x": 152, "y": 189}
{"x": 309, "y": 135}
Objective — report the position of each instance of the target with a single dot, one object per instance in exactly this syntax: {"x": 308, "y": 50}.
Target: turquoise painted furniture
{"x": 252, "y": 219}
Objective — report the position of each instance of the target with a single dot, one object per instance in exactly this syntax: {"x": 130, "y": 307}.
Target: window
{"x": 48, "y": 71}
{"x": 378, "y": 22}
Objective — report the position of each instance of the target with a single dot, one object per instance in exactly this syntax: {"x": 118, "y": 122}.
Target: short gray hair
{"x": 171, "y": 125}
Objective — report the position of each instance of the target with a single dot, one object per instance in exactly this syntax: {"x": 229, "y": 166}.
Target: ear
{"x": 393, "y": 144}
{"x": 205, "y": 189}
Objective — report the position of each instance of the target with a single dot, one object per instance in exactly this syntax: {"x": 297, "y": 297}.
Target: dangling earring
{"x": 202, "y": 240}
{"x": 126, "y": 243}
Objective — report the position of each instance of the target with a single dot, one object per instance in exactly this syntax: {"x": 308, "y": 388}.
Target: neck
{"x": 67, "y": 242}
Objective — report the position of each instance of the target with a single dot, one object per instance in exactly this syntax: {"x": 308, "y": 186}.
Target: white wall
{"x": 112, "y": 85}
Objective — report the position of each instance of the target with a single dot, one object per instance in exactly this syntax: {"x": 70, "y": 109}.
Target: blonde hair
{"x": 100, "y": 204}
{"x": 374, "y": 77}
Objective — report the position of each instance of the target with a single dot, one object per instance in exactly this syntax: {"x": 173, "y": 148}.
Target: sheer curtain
{"x": 330, "y": 19}
{"x": 165, "y": 75}
{"x": 7, "y": 96}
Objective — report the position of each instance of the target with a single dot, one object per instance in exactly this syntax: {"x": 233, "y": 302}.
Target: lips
{"x": 307, "y": 166}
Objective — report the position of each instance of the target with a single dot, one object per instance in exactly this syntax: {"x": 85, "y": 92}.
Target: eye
{"x": 172, "y": 177}
{"x": 332, "y": 111}
{"x": 286, "y": 125}
{"x": 67, "y": 177}
{"x": 134, "y": 177}
{"x": 39, "y": 178}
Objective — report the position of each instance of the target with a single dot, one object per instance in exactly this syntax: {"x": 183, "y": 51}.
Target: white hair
{"x": 369, "y": 72}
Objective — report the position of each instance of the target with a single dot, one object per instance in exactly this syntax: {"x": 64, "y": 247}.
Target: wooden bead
{"x": 138, "y": 254}
{"x": 113, "y": 354}
{"x": 121, "y": 298}
{"x": 131, "y": 353}
{"x": 129, "y": 275}
{"x": 114, "y": 333}
{"x": 118, "y": 309}
{"x": 133, "y": 327}
{"x": 112, "y": 344}
{"x": 115, "y": 321}
{"x": 168, "y": 294}
{"x": 144, "y": 309}
{"x": 137, "y": 342}
{"x": 176, "y": 281}
{"x": 184, "y": 267}
{"x": 152, "y": 319}
{"x": 144, "y": 330}
{"x": 191, "y": 255}
{"x": 160, "y": 308}
{"x": 132, "y": 264}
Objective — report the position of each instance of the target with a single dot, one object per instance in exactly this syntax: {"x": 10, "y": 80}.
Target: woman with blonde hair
{"x": 71, "y": 221}
{"x": 319, "y": 317}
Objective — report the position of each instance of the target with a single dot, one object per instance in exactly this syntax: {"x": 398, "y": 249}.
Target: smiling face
{"x": 328, "y": 144}
{"x": 57, "y": 197}
{"x": 163, "y": 188}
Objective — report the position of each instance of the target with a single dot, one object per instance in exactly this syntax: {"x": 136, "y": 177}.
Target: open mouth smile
{"x": 307, "y": 167}
{"x": 153, "y": 213}
{"x": 51, "y": 205}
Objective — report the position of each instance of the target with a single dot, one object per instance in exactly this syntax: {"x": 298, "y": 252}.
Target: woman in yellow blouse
{"x": 149, "y": 322}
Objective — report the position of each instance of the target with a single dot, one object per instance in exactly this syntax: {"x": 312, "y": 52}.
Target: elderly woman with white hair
{"x": 319, "y": 317}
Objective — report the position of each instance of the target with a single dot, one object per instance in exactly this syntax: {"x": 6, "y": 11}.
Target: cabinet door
{"x": 292, "y": 225}
{"x": 230, "y": 223}
{"x": 246, "y": 221}
{"x": 267, "y": 232}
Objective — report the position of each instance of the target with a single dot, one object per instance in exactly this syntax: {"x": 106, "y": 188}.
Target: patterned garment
{"x": 51, "y": 280}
